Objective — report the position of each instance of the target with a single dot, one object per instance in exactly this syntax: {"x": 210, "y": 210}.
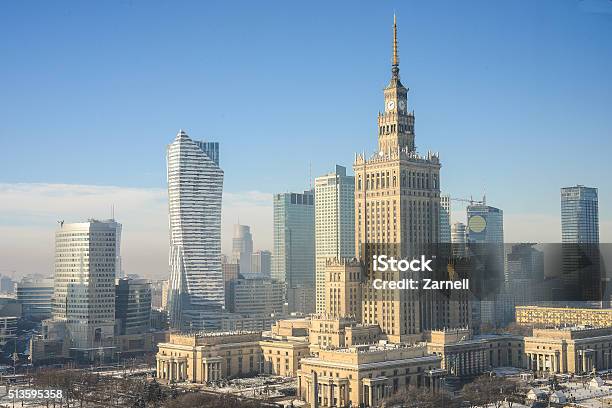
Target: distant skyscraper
{"x": 485, "y": 224}
{"x": 242, "y": 247}
{"x": 35, "y": 296}
{"x": 445, "y": 219}
{"x": 133, "y": 306}
{"x": 458, "y": 239}
{"x": 485, "y": 238}
{"x": 334, "y": 224}
{"x": 261, "y": 263}
{"x": 84, "y": 282}
{"x": 580, "y": 238}
{"x": 458, "y": 233}
{"x": 195, "y": 186}
{"x": 293, "y": 261}
{"x": 7, "y": 284}
{"x": 579, "y": 215}
{"x": 524, "y": 270}
{"x": 230, "y": 270}
{"x": 255, "y": 296}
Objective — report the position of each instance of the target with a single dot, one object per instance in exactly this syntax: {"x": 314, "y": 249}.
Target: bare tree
{"x": 487, "y": 390}
{"x": 420, "y": 398}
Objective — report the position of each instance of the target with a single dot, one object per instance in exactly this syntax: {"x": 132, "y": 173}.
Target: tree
{"x": 488, "y": 390}
{"x": 420, "y": 398}
{"x": 154, "y": 394}
{"x": 202, "y": 400}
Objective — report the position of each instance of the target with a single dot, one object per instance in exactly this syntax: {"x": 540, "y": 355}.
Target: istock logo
{"x": 383, "y": 263}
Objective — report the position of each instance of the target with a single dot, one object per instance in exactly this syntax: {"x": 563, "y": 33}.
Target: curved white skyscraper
{"x": 195, "y": 186}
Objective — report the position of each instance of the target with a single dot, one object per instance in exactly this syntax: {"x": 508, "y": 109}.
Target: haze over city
{"x": 93, "y": 95}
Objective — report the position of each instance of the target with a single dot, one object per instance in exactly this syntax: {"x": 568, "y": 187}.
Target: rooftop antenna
{"x": 112, "y": 211}
{"x": 310, "y": 174}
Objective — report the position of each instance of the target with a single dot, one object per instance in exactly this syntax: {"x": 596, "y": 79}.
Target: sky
{"x": 514, "y": 95}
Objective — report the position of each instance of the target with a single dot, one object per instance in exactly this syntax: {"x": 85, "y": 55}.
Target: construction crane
{"x": 471, "y": 200}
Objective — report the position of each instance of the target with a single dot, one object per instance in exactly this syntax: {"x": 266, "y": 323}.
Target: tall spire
{"x": 395, "y": 65}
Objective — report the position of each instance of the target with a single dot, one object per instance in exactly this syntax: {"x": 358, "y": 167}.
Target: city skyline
{"x": 24, "y": 190}
{"x": 438, "y": 272}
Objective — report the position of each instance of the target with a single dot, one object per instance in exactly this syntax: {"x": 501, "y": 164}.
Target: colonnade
{"x": 172, "y": 369}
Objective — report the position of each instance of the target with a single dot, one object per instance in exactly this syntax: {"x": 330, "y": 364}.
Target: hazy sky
{"x": 515, "y": 95}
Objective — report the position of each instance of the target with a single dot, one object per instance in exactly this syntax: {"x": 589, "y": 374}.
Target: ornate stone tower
{"x": 397, "y": 204}
{"x": 395, "y": 124}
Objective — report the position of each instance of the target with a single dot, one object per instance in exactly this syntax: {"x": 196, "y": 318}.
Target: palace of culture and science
{"x": 397, "y": 200}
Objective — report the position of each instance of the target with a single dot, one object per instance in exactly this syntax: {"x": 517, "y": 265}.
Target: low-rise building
{"x": 573, "y": 350}
{"x": 35, "y": 296}
{"x": 8, "y": 329}
{"x": 365, "y": 374}
{"x": 255, "y": 296}
{"x": 465, "y": 355}
{"x": 206, "y": 357}
{"x": 538, "y": 316}
{"x": 282, "y": 357}
{"x": 54, "y": 347}
{"x": 230, "y": 322}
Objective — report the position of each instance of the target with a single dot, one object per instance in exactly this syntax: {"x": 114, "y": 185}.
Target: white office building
{"x": 242, "y": 247}
{"x": 445, "y": 219}
{"x": 86, "y": 265}
{"x": 334, "y": 224}
{"x": 195, "y": 186}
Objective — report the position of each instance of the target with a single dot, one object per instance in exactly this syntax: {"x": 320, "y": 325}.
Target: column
{"x": 553, "y": 366}
{"x": 529, "y": 361}
{"x": 468, "y": 357}
{"x": 483, "y": 361}
{"x": 589, "y": 362}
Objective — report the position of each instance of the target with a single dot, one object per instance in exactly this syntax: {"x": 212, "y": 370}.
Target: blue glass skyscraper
{"x": 579, "y": 215}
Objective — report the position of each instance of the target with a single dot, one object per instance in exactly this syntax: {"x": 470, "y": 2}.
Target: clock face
{"x": 402, "y": 105}
{"x": 390, "y": 105}
{"x": 477, "y": 223}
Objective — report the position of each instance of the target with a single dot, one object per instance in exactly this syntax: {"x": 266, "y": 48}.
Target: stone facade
{"x": 569, "y": 350}
{"x": 283, "y": 357}
{"x": 202, "y": 358}
{"x": 343, "y": 288}
{"x": 328, "y": 331}
{"x": 536, "y": 316}
{"x": 464, "y": 355}
{"x": 365, "y": 374}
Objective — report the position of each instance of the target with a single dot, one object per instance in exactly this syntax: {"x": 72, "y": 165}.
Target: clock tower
{"x": 397, "y": 212}
{"x": 395, "y": 124}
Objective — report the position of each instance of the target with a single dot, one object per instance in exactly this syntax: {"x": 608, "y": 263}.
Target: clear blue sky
{"x": 516, "y": 95}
